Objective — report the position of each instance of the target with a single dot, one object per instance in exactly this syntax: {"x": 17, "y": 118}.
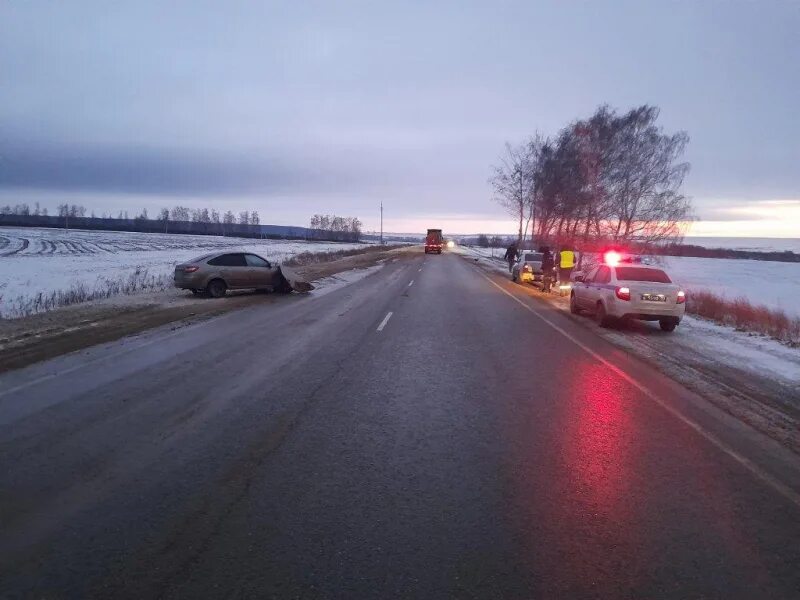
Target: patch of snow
{"x": 772, "y": 284}
{"x": 748, "y": 352}
{"x": 334, "y": 282}
{"x": 490, "y": 257}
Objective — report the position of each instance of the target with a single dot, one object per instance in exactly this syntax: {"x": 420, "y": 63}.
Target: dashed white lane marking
{"x": 410, "y": 283}
{"x": 749, "y": 465}
{"x": 385, "y": 321}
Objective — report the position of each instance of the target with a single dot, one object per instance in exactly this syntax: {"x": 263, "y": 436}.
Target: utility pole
{"x": 381, "y": 223}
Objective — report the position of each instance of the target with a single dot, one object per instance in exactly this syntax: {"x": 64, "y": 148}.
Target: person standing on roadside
{"x": 511, "y": 255}
{"x": 548, "y": 264}
{"x": 566, "y": 263}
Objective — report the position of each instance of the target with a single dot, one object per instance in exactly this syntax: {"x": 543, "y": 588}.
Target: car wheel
{"x": 668, "y": 324}
{"x": 573, "y": 305}
{"x": 217, "y": 288}
{"x": 601, "y": 316}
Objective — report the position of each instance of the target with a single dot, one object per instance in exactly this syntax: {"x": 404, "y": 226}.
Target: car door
{"x": 583, "y": 290}
{"x": 600, "y": 285}
{"x": 231, "y": 268}
{"x": 260, "y": 273}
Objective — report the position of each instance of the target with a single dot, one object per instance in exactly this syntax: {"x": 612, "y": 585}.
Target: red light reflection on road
{"x": 597, "y": 449}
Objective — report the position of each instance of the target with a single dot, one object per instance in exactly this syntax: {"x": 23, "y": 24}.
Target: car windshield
{"x": 535, "y": 257}
{"x": 642, "y": 274}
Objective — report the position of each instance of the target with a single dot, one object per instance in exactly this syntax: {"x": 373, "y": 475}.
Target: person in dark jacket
{"x": 511, "y": 255}
{"x": 548, "y": 264}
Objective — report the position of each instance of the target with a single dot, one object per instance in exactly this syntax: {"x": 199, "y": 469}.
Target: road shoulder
{"x": 759, "y": 398}
{"x": 43, "y": 336}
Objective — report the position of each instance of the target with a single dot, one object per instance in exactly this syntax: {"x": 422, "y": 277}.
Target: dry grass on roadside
{"x": 312, "y": 258}
{"x": 138, "y": 281}
{"x": 141, "y": 281}
{"x": 743, "y": 315}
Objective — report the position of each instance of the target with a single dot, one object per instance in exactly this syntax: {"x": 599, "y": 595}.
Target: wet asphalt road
{"x": 478, "y": 445}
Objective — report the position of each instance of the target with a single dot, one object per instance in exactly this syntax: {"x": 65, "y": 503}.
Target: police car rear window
{"x": 642, "y": 274}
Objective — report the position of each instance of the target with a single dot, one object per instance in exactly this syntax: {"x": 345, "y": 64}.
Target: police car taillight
{"x": 681, "y": 297}
{"x": 623, "y": 293}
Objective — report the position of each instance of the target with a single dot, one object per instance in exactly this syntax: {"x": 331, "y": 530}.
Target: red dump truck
{"x": 434, "y": 241}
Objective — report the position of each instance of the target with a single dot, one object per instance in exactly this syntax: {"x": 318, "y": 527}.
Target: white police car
{"x": 625, "y": 290}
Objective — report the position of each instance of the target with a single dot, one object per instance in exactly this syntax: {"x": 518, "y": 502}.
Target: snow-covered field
{"x": 740, "y": 243}
{"x": 34, "y": 261}
{"x": 772, "y": 284}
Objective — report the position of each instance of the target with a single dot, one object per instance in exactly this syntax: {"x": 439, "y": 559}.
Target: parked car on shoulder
{"x": 217, "y": 273}
{"x": 528, "y": 268}
{"x": 628, "y": 291}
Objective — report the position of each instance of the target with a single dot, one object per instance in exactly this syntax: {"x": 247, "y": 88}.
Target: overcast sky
{"x": 300, "y": 107}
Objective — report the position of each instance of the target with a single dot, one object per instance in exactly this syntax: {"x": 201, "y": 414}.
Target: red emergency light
{"x": 612, "y": 258}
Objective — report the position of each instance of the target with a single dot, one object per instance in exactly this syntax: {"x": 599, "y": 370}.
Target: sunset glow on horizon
{"x": 769, "y": 218}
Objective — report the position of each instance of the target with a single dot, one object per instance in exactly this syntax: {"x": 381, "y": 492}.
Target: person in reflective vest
{"x": 566, "y": 263}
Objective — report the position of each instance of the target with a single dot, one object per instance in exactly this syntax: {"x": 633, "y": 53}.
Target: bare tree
{"x": 180, "y": 213}
{"x": 513, "y": 185}
{"x": 646, "y": 204}
{"x": 608, "y": 177}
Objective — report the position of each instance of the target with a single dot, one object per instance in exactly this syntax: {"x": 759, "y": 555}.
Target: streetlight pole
{"x": 381, "y": 223}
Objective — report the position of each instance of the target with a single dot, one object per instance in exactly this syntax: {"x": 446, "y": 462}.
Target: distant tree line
{"x": 23, "y": 210}
{"x": 333, "y": 227}
{"x": 676, "y": 249}
{"x": 612, "y": 177}
{"x": 181, "y": 219}
{"x": 484, "y": 241}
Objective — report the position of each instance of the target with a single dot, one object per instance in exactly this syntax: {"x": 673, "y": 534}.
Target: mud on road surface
{"x": 39, "y": 337}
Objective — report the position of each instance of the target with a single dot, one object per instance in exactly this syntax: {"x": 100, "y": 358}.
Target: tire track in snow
{"x": 22, "y": 248}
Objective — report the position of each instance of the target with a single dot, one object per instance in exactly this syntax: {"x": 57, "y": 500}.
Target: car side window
{"x": 603, "y": 275}
{"x": 229, "y": 260}
{"x": 590, "y": 277}
{"x": 255, "y": 261}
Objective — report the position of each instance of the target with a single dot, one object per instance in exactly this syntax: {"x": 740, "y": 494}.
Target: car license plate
{"x": 654, "y": 297}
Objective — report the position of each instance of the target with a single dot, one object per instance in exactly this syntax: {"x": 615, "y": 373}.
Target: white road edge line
{"x": 749, "y": 465}
{"x": 385, "y": 321}
{"x": 410, "y": 283}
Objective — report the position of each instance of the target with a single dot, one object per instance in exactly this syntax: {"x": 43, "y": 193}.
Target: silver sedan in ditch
{"x": 217, "y": 273}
